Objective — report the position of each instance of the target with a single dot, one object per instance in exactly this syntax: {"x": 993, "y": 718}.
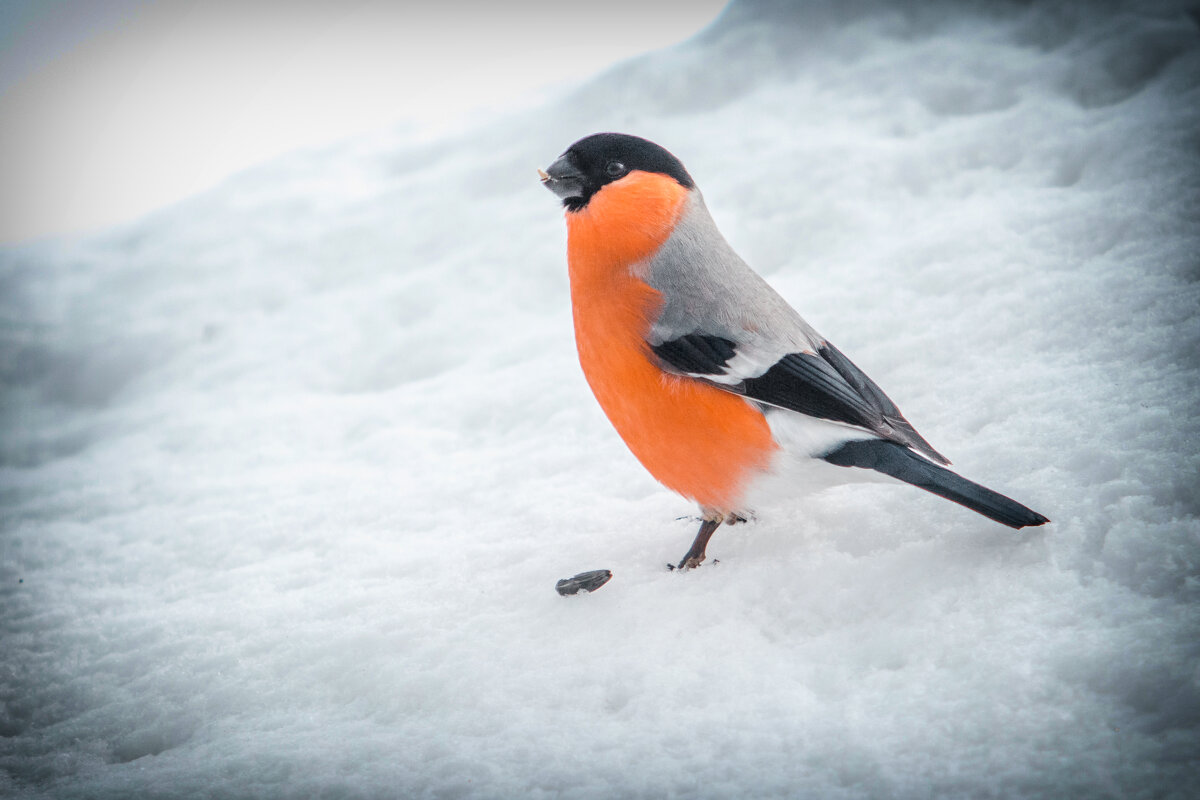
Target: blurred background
{"x": 109, "y": 108}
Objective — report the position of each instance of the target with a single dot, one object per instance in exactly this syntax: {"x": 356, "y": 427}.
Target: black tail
{"x": 901, "y": 463}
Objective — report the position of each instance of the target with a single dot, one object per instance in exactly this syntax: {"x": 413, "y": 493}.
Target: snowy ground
{"x": 289, "y": 470}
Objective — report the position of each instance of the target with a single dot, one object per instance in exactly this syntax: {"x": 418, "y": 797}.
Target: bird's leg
{"x": 695, "y": 555}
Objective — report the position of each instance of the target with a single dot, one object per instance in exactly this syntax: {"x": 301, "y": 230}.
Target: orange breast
{"x": 701, "y": 442}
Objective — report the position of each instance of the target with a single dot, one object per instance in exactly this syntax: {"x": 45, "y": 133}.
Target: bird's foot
{"x": 689, "y": 564}
{"x": 694, "y": 557}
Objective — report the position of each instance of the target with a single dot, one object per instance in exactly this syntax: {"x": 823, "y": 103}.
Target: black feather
{"x": 806, "y": 383}
{"x": 696, "y": 353}
{"x": 901, "y": 429}
{"x": 825, "y": 385}
{"x": 800, "y": 381}
{"x": 901, "y": 463}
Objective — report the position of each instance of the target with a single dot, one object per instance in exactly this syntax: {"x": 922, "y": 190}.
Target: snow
{"x": 289, "y": 470}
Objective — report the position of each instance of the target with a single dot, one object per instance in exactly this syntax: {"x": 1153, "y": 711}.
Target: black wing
{"x": 824, "y": 384}
{"x": 871, "y": 391}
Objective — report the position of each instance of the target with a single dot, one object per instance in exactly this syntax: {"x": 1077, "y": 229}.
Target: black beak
{"x": 563, "y": 179}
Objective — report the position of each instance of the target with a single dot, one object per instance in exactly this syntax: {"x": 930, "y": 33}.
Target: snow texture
{"x": 290, "y": 469}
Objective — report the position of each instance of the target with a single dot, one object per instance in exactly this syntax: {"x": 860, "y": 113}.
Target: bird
{"x": 716, "y": 384}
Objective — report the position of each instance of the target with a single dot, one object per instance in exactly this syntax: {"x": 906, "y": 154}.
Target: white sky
{"x": 111, "y": 108}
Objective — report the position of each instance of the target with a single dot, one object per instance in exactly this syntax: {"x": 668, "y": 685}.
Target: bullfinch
{"x": 720, "y": 389}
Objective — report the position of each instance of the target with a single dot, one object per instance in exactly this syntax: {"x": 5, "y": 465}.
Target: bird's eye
{"x": 614, "y": 168}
